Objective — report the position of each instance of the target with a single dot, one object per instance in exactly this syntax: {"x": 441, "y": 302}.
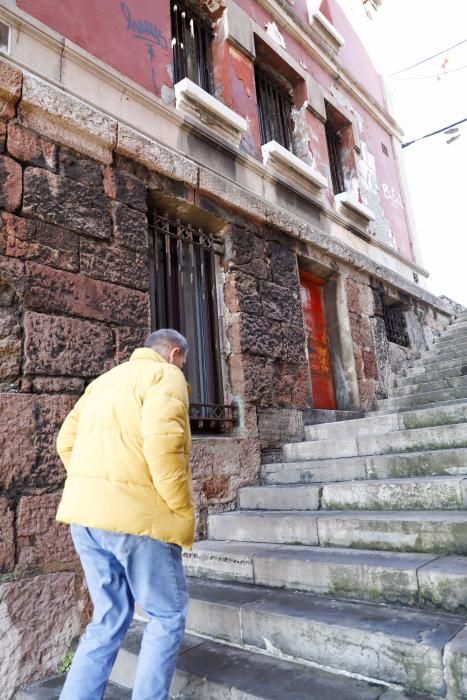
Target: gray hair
{"x": 166, "y": 339}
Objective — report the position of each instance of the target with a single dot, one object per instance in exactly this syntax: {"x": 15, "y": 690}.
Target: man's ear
{"x": 173, "y": 354}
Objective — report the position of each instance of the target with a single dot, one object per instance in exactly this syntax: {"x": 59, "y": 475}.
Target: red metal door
{"x": 317, "y": 341}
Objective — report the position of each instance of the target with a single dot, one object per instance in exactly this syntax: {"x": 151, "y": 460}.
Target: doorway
{"x": 317, "y": 340}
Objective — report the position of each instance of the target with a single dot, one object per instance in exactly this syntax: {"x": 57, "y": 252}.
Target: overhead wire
{"x": 435, "y": 75}
{"x": 433, "y": 133}
{"x": 424, "y": 60}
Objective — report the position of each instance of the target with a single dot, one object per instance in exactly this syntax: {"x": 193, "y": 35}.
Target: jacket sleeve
{"x": 67, "y": 434}
{"x": 164, "y": 426}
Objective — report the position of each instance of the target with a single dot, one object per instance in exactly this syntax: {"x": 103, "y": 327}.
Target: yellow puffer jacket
{"x": 126, "y": 448}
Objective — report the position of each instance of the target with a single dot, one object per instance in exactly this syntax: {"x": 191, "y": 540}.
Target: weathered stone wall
{"x": 377, "y": 360}
{"x": 267, "y": 355}
{"x": 73, "y": 301}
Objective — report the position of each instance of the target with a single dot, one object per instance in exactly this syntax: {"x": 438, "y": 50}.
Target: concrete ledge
{"x": 346, "y": 200}
{"x": 134, "y": 145}
{"x": 11, "y": 79}
{"x": 193, "y": 100}
{"x": 324, "y": 27}
{"x": 58, "y": 116}
{"x": 237, "y": 197}
{"x": 275, "y": 153}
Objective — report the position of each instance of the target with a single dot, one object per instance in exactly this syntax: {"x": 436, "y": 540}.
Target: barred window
{"x": 274, "y": 109}
{"x": 396, "y": 326}
{"x": 184, "y": 296}
{"x": 335, "y": 160}
{"x": 191, "y": 45}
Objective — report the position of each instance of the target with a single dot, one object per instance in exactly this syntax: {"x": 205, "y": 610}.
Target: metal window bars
{"x": 191, "y": 45}
{"x": 274, "y": 109}
{"x": 396, "y": 326}
{"x": 184, "y": 296}
{"x": 335, "y": 160}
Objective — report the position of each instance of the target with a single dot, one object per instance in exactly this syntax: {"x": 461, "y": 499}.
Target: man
{"x": 128, "y": 498}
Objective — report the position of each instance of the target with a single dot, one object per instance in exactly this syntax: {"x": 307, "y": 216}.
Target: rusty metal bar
{"x": 191, "y": 41}
{"x": 335, "y": 160}
{"x": 274, "y": 107}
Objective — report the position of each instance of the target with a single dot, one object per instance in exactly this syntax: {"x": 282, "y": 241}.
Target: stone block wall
{"x": 378, "y": 361}
{"x": 266, "y": 342}
{"x": 73, "y": 302}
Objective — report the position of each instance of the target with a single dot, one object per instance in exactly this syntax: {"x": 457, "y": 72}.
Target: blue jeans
{"x": 121, "y": 569}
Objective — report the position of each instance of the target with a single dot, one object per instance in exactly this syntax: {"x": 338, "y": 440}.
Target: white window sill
{"x": 193, "y": 100}
{"x": 277, "y": 154}
{"x": 324, "y": 27}
{"x": 346, "y": 200}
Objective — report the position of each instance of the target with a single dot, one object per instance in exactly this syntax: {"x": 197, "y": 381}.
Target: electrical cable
{"x": 433, "y": 133}
{"x": 428, "y": 59}
{"x": 436, "y": 75}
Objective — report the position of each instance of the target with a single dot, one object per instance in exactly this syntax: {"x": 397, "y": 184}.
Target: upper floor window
{"x": 274, "y": 109}
{"x": 191, "y": 45}
{"x": 333, "y": 141}
{"x": 184, "y": 296}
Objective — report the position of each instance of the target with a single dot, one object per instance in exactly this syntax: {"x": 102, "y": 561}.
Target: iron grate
{"x": 396, "y": 326}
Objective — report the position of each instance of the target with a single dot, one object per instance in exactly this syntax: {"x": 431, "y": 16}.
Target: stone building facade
{"x": 127, "y": 185}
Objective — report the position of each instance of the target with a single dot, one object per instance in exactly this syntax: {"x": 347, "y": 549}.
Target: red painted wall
{"x": 132, "y": 36}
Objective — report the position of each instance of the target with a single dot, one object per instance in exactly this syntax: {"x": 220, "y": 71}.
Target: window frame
{"x": 270, "y": 91}
{"x": 184, "y": 296}
{"x": 395, "y": 325}
{"x": 197, "y": 64}
{"x": 333, "y": 142}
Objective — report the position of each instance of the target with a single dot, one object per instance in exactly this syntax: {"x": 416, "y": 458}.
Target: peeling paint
{"x": 272, "y": 30}
{"x": 167, "y": 94}
{"x": 301, "y": 135}
{"x": 242, "y": 68}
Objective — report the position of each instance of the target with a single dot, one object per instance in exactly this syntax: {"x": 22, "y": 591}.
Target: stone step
{"x": 430, "y": 438}
{"x": 208, "y": 670}
{"x": 416, "y": 388}
{"x": 314, "y": 416}
{"x": 420, "y": 400}
{"x": 397, "y": 531}
{"x": 423, "y": 377}
{"x": 450, "y": 341}
{"x": 317, "y": 471}
{"x": 451, "y": 462}
{"x": 434, "y": 355}
{"x": 457, "y": 328}
{"x": 50, "y": 689}
{"x": 385, "y": 643}
{"x": 280, "y": 497}
{"x": 427, "y": 493}
{"x": 418, "y": 579}
{"x": 375, "y": 423}
{"x": 385, "y": 410}
{"x": 422, "y": 366}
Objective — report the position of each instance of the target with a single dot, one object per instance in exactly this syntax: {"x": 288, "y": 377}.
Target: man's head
{"x": 170, "y": 344}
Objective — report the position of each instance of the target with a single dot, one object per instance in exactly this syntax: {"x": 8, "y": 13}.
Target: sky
{"x": 427, "y": 98}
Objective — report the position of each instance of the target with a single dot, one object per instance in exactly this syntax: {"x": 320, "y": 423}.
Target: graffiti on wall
{"x": 392, "y": 196}
{"x": 148, "y": 32}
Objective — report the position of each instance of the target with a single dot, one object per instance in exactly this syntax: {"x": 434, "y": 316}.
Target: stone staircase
{"x": 344, "y": 574}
